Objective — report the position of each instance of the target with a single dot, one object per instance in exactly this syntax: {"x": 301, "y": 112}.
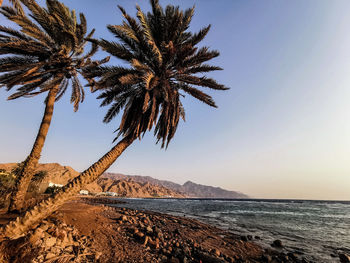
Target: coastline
{"x": 85, "y": 230}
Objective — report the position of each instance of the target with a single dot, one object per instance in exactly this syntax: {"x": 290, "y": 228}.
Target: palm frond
{"x": 45, "y": 51}
{"x": 164, "y": 60}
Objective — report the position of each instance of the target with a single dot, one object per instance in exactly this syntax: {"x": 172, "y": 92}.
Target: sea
{"x": 316, "y": 230}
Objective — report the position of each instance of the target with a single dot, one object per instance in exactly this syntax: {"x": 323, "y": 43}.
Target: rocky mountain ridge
{"x": 59, "y": 174}
{"x": 189, "y": 189}
{"x": 130, "y": 185}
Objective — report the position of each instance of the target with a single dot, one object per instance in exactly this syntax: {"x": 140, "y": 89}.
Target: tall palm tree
{"x": 45, "y": 56}
{"x": 164, "y": 62}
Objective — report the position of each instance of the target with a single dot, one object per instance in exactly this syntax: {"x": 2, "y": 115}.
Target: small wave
{"x": 240, "y": 211}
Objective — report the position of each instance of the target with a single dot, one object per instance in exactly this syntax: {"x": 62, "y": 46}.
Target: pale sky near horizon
{"x": 281, "y": 131}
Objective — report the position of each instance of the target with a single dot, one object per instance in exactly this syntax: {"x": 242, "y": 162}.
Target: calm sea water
{"x": 314, "y": 228}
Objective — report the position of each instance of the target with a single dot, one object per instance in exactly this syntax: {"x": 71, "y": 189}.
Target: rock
{"x": 266, "y": 258}
{"x": 344, "y": 258}
{"x": 244, "y": 238}
{"x": 292, "y": 255}
{"x": 174, "y": 260}
{"x": 178, "y": 253}
{"x": 157, "y": 243}
{"x": 205, "y": 257}
{"x": 164, "y": 258}
{"x": 66, "y": 242}
{"x": 56, "y": 250}
{"x": 139, "y": 235}
{"x": 49, "y": 242}
{"x": 216, "y": 252}
{"x": 43, "y": 227}
{"x": 36, "y": 236}
{"x": 145, "y": 220}
{"x": 147, "y": 239}
{"x": 187, "y": 251}
{"x": 158, "y": 232}
{"x": 69, "y": 249}
{"x": 277, "y": 243}
{"x": 284, "y": 258}
{"x": 40, "y": 257}
{"x": 149, "y": 229}
{"x": 49, "y": 256}
{"x": 98, "y": 255}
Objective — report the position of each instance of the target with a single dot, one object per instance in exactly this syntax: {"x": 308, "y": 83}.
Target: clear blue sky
{"x": 281, "y": 131}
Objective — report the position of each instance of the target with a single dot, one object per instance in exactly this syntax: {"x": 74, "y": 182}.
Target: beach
{"x": 88, "y": 231}
{"x": 312, "y": 229}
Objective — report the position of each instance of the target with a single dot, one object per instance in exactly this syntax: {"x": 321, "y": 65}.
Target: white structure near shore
{"x": 108, "y": 194}
{"x": 56, "y": 185}
{"x": 84, "y": 192}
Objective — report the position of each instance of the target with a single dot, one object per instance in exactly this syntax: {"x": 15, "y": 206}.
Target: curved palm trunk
{"x": 24, "y": 177}
{"x": 21, "y": 225}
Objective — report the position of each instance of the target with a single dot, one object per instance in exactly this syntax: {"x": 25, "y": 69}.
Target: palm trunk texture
{"x": 26, "y": 173}
{"x": 21, "y": 225}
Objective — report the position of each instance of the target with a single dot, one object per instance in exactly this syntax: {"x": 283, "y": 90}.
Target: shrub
{"x": 52, "y": 189}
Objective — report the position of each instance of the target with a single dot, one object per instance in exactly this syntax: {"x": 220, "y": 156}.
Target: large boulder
{"x": 344, "y": 258}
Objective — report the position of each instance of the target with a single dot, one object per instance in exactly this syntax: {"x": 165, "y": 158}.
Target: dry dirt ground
{"x": 82, "y": 231}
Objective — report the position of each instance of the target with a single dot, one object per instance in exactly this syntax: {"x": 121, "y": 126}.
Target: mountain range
{"x": 130, "y": 185}
{"x": 188, "y": 189}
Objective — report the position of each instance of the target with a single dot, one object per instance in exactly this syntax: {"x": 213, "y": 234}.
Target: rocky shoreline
{"x": 86, "y": 231}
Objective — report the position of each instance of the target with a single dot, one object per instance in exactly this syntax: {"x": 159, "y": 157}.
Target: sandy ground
{"x": 125, "y": 235}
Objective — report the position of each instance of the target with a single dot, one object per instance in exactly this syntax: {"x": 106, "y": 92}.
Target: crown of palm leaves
{"x": 164, "y": 61}
{"x": 47, "y": 51}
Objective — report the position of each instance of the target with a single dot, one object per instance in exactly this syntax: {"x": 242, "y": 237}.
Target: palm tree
{"x": 164, "y": 62}
{"x": 45, "y": 56}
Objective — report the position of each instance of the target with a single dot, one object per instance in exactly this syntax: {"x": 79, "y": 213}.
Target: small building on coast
{"x": 84, "y": 192}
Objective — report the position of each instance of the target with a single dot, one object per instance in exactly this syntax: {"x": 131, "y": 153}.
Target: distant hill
{"x": 189, "y": 188}
{"x": 131, "y": 185}
{"x": 128, "y": 187}
{"x": 125, "y": 187}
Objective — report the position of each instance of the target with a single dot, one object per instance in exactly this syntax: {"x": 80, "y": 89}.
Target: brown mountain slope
{"x": 130, "y": 188}
{"x": 59, "y": 174}
{"x": 132, "y": 185}
{"x": 188, "y": 189}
